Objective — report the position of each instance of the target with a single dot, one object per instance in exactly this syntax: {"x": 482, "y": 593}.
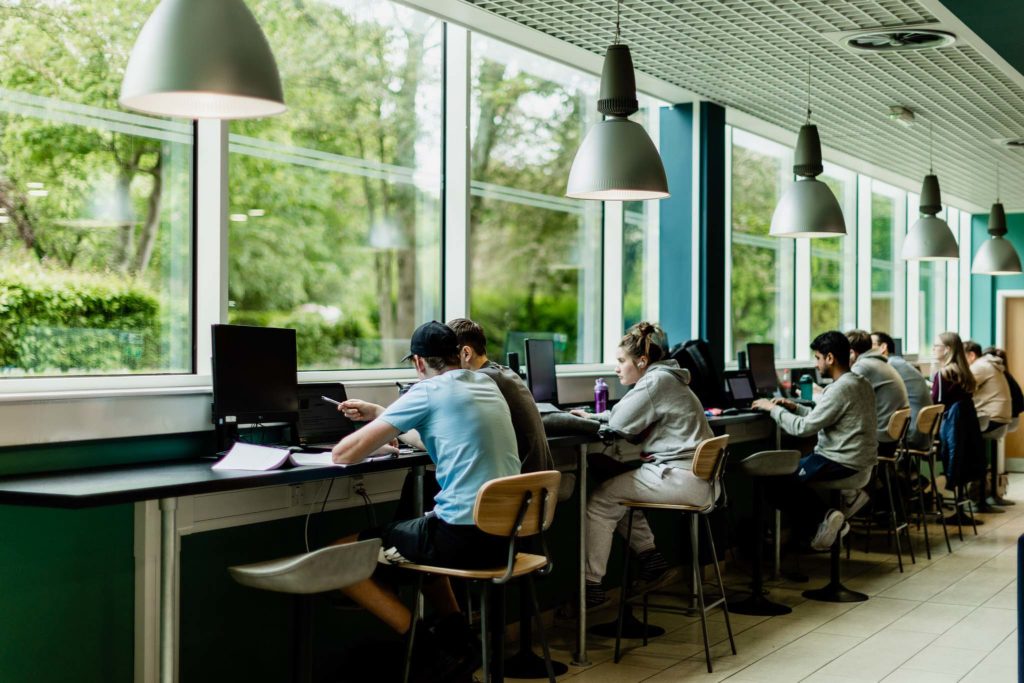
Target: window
{"x": 885, "y": 237}
{"x": 535, "y": 263}
{"x": 833, "y": 275}
{"x": 335, "y": 206}
{"x": 95, "y": 223}
{"x": 762, "y": 268}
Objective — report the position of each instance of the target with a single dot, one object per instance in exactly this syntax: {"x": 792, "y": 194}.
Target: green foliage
{"x": 60, "y": 321}
{"x": 321, "y": 344}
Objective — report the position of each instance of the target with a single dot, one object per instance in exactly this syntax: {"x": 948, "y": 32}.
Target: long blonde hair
{"x": 955, "y": 368}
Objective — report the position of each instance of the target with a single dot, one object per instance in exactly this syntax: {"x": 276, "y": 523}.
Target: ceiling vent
{"x": 894, "y": 39}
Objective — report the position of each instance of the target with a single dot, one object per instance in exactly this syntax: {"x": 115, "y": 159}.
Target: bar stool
{"x": 513, "y": 507}
{"x": 991, "y": 441}
{"x": 758, "y": 466}
{"x": 708, "y": 464}
{"x": 834, "y": 590}
{"x": 1002, "y": 502}
{"x": 897, "y": 428}
{"x": 327, "y": 569}
{"x": 929, "y": 421}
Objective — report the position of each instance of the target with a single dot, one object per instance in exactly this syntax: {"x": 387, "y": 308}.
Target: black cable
{"x": 370, "y": 513}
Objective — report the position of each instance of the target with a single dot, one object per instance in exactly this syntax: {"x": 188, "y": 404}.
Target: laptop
{"x": 321, "y": 426}
{"x": 741, "y": 389}
{"x": 540, "y": 374}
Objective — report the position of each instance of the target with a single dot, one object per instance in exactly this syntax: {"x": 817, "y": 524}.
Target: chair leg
{"x": 412, "y": 628}
{"x": 485, "y": 634}
{"x": 302, "y": 644}
{"x": 498, "y": 633}
{"x": 721, "y": 584}
{"x": 892, "y": 513}
{"x": 970, "y": 508}
{"x": 622, "y": 593}
{"x": 903, "y": 517}
{"x": 540, "y": 628}
{"x": 939, "y": 500}
{"x": 922, "y": 519}
{"x": 698, "y": 582}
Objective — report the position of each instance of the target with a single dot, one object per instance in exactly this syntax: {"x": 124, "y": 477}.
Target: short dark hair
{"x": 972, "y": 347}
{"x": 441, "y": 363}
{"x": 996, "y": 351}
{"x": 469, "y": 334}
{"x": 836, "y": 343}
{"x": 860, "y": 341}
{"x": 885, "y": 340}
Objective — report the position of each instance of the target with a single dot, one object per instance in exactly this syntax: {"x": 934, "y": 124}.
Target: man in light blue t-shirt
{"x": 461, "y": 419}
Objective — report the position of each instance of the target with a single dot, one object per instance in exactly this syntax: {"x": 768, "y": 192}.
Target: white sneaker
{"x": 827, "y": 530}
{"x": 852, "y": 501}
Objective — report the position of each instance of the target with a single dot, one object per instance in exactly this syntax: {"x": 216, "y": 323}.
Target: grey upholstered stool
{"x": 991, "y": 440}
{"x": 327, "y": 569}
{"x": 758, "y": 466}
{"x": 835, "y": 591}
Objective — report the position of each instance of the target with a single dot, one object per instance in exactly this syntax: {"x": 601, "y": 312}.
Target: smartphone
{"x": 331, "y": 400}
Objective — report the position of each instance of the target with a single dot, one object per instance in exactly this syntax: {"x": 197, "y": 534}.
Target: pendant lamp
{"x": 202, "y": 59}
{"x": 617, "y": 160}
{"x": 808, "y": 209}
{"x": 996, "y": 256}
{"x": 930, "y": 239}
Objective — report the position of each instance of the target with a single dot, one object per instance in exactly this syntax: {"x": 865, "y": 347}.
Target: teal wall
{"x": 984, "y": 288}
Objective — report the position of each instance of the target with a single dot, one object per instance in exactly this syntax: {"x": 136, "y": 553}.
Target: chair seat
{"x": 769, "y": 463}
{"x": 854, "y": 481}
{"x": 665, "y": 506}
{"x": 887, "y": 458}
{"x": 327, "y": 569}
{"x": 996, "y": 434}
{"x": 918, "y": 453}
{"x": 525, "y": 564}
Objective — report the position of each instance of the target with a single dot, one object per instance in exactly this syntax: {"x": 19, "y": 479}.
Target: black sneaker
{"x": 652, "y": 566}
{"x": 596, "y": 595}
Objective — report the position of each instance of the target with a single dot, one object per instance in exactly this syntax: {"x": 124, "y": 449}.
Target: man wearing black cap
{"x": 463, "y": 422}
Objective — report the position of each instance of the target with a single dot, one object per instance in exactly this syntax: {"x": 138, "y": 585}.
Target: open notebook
{"x": 247, "y": 456}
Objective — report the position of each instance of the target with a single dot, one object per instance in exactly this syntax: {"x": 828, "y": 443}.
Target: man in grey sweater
{"x": 844, "y": 420}
{"x": 918, "y": 393}
{"x": 890, "y": 393}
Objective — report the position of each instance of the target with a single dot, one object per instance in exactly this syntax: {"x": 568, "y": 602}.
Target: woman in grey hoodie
{"x": 663, "y": 417}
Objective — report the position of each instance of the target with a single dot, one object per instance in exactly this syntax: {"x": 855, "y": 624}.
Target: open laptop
{"x": 321, "y": 426}
{"x": 741, "y": 389}
{"x": 540, "y": 374}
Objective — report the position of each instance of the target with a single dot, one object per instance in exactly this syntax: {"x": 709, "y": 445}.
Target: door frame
{"x": 1000, "y": 339}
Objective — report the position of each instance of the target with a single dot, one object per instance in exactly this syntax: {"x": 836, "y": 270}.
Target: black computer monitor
{"x": 705, "y": 375}
{"x": 540, "y": 370}
{"x": 897, "y": 342}
{"x": 740, "y": 388}
{"x": 255, "y": 374}
{"x": 761, "y": 358}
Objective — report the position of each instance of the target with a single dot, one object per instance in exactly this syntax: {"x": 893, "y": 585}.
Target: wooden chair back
{"x": 929, "y": 418}
{"x": 899, "y": 421}
{"x": 709, "y": 458}
{"x": 517, "y": 506}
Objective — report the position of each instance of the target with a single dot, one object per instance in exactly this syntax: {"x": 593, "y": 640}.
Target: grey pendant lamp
{"x": 202, "y": 59}
{"x": 996, "y": 256}
{"x": 930, "y": 239}
{"x": 617, "y": 160}
{"x": 808, "y": 208}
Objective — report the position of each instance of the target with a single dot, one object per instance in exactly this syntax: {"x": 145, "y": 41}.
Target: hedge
{"x": 76, "y": 323}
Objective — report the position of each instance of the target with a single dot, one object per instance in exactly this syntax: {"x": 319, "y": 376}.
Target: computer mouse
{"x": 730, "y": 411}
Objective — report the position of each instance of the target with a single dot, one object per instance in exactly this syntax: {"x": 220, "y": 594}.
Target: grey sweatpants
{"x": 651, "y": 484}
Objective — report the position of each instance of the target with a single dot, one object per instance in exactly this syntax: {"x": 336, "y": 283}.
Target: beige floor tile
{"x": 1000, "y": 666}
{"x": 867, "y": 618}
{"x": 609, "y": 672}
{"x": 974, "y": 589}
{"x": 917, "y": 676}
{"x": 945, "y": 660}
{"x": 798, "y": 659}
{"x": 1004, "y": 599}
{"x": 695, "y": 669}
{"x": 982, "y": 629}
{"x": 820, "y": 677}
{"x": 930, "y": 617}
{"x": 878, "y": 656}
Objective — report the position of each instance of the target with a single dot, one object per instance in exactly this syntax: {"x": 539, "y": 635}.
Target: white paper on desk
{"x": 247, "y": 456}
{"x": 324, "y": 459}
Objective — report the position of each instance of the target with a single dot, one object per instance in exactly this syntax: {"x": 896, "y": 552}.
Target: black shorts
{"x": 429, "y": 540}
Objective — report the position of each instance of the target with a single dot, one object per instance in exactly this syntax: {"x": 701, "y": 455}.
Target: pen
{"x": 331, "y": 400}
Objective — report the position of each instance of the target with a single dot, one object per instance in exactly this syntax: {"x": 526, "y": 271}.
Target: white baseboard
{"x": 1015, "y": 464}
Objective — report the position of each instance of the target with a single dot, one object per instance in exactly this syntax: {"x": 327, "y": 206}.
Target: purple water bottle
{"x": 600, "y": 395}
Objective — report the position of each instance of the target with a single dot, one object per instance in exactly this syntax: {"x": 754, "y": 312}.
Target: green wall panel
{"x": 985, "y": 288}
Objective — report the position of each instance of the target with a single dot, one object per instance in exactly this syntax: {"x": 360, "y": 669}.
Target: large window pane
{"x": 762, "y": 267}
{"x": 883, "y": 249}
{"x": 335, "y": 205}
{"x": 95, "y": 223}
{"x": 535, "y": 255}
{"x": 832, "y": 262}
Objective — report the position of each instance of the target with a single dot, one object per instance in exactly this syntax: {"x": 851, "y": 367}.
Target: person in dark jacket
{"x": 954, "y": 380}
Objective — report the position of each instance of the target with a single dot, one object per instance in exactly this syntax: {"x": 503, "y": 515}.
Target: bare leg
{"x": 381, "y": 603}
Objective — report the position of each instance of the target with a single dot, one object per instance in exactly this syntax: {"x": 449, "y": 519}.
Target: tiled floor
{"x": 952, "y": 618}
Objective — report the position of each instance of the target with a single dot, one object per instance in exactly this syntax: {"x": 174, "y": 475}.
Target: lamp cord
{"x": 931, "y": 145}
{"x": 618, "y": 15}
{"x": 808, "y": 88}
{"x": 997, "y": 182}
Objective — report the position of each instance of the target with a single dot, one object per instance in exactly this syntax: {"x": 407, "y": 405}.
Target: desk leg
{"x": 417, "y": 490}
{"x": 777, "y": 521}
{"x": 168, "y": 594}
{"x": 580, "y": 656}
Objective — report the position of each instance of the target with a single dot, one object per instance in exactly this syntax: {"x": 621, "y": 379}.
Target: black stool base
{"x": 961, "y": 517}
{"x": 835, "y": 592}
{"x": 631, "y": 628}
{"x": 758, "y": 606}
{"x": 525, "y": 664}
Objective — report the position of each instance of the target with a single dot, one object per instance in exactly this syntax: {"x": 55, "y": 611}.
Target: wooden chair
{"x": 708, "y": 464}
{"x": 511, "y": 507}
{"x": 899, "y": 424}
{"x": 929, "y": 421}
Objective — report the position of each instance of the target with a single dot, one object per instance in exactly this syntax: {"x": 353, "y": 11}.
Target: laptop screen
{"x": 540, "y": 370}
{"x": 740, "y": 388}
{"x": 320, "y": 421}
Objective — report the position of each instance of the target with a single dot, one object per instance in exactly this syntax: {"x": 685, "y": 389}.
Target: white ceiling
{"x": 752, "y": 55}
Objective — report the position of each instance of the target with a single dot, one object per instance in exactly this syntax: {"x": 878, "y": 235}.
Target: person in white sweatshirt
{"x": 992, "y": 395}
{"x": 665, "y": 419}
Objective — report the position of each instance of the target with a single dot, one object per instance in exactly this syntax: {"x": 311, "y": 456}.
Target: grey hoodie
{"x": 662, "y": 415}
{"x": 890, "y": 392}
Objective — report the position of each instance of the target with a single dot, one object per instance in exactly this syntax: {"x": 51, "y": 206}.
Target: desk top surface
{"x": 149, "y": 481}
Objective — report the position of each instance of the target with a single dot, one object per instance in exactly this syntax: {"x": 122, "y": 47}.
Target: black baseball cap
{"x": 433, "y": 339}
